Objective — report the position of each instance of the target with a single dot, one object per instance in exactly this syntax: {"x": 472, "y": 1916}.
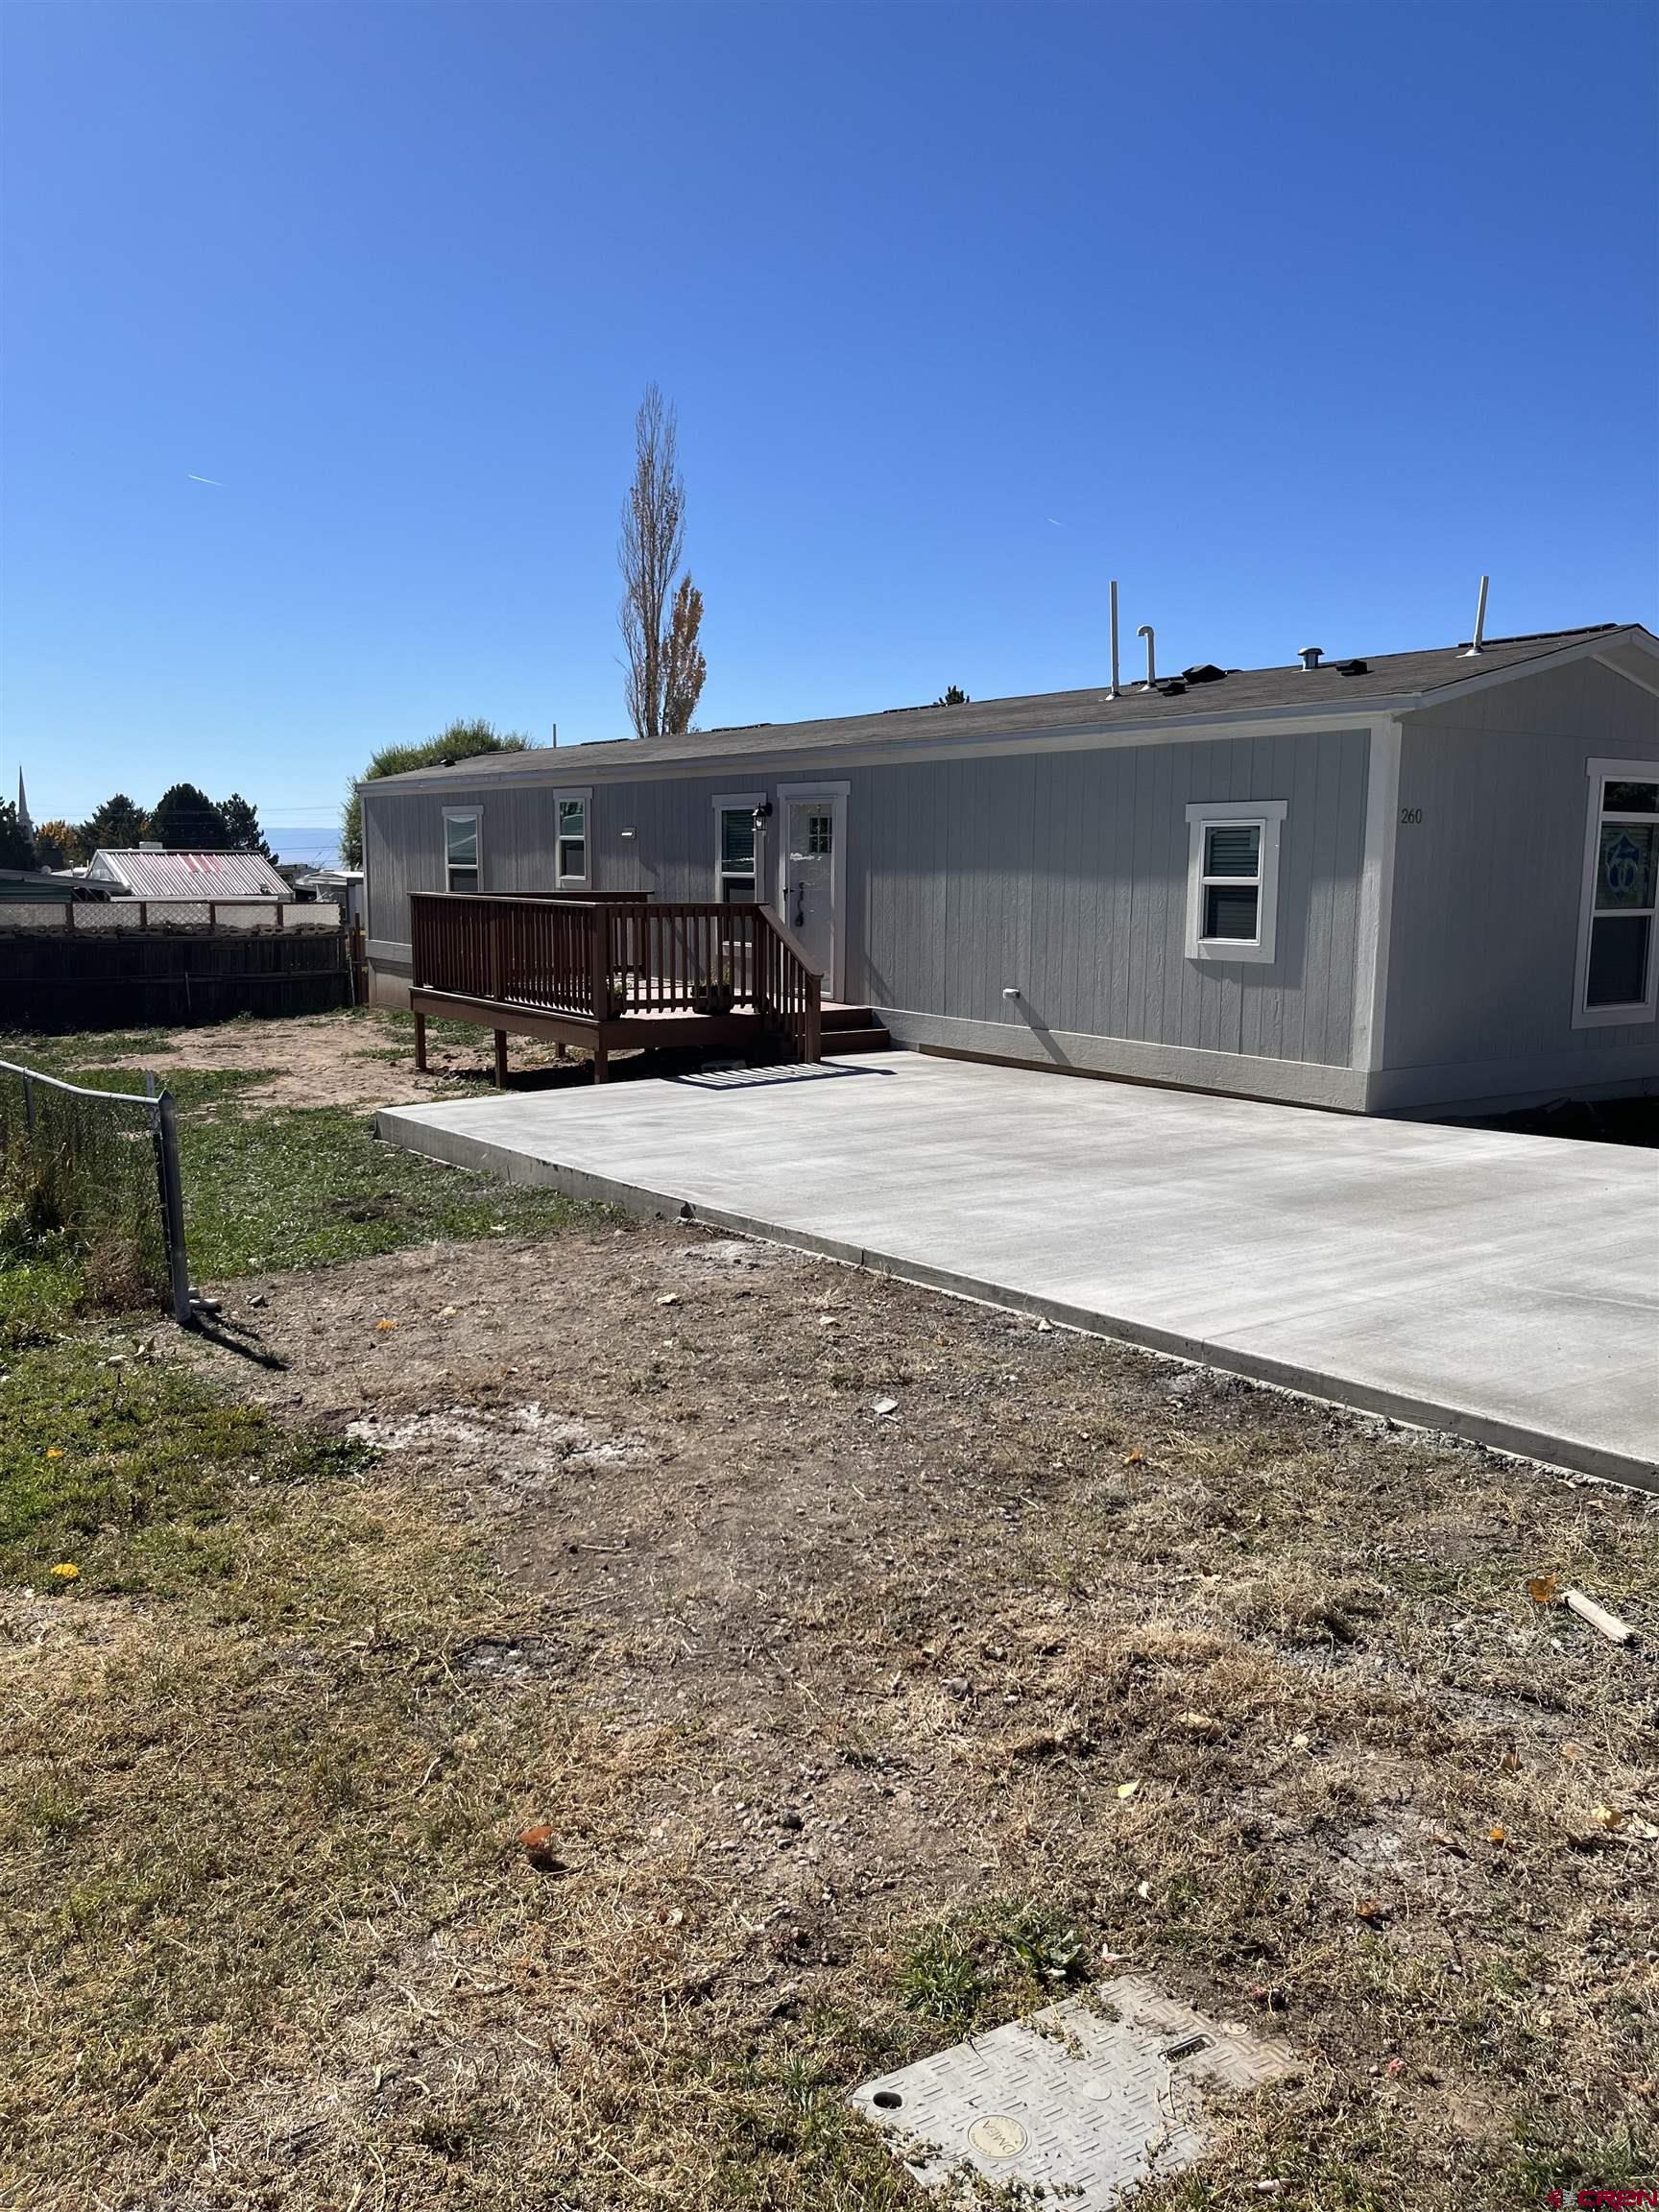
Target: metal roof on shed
{"x": 191, "y": 875}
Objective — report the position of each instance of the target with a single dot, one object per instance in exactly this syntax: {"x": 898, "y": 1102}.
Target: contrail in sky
{"x": 214, "y": 480}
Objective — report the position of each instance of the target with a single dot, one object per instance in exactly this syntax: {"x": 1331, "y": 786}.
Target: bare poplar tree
{"x": 665, "y": 664}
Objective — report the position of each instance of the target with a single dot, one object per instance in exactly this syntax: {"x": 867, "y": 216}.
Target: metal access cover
{"x": 1087, "y": 2099}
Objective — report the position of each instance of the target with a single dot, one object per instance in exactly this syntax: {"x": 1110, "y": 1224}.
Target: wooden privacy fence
{"x": 56, "y": 981}
{"x": 611, "y": 960}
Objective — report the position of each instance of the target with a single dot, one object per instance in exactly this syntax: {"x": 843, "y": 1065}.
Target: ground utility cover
{"x": 1085, "y": 2099}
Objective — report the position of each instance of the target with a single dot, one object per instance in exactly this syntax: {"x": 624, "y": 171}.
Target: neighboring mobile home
{"x": 1423, "y": 880}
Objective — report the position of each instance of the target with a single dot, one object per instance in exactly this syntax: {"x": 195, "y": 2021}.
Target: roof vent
{"x": 1206, "y": 672}
{"x": 1310, "y": 655}
{"x": 1352, "y": 668}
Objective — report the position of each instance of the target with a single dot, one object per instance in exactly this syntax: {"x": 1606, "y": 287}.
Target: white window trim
{"x": 474, "y": 815}
{"x": 584, "y": 881}
{"x": 834, "y": 981}
{"x": 1268, "y": 816}
{"x": 731, "y": 803}
{"x": 1609, "y": 1016}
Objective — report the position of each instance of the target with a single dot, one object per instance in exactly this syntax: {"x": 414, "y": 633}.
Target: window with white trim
{"x": 737, "y": 841}
{"x": 1617, "y": 978}
{"x": 572, "y": 855}
{"x": 463, "y": 848}
{"x": 1233, "y": 878}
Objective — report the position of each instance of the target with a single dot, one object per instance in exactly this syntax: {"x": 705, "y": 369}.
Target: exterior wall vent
{"x": 1311, "y": 654}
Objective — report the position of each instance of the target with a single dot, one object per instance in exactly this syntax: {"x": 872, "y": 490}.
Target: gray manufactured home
{"x": 1419, "y": 882}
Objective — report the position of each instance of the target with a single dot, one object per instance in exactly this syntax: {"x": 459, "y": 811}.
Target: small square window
{"x": 1233, "y": 882}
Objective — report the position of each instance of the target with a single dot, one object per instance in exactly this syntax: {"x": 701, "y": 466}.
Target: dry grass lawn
{"x": 832, "y": 1717}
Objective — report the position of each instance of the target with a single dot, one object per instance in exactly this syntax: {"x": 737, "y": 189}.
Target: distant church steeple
{"x": 23, "y": 822}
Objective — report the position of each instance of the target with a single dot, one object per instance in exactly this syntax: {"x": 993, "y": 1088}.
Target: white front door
{"x": 810, "y": 869}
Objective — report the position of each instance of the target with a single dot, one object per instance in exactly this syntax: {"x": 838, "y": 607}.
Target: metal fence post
{"x": 28, "y": 1103}
{"x": 173, "y": 1208}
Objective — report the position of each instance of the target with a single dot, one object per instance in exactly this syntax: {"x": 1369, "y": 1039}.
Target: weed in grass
{"x": 941, "y": 1978}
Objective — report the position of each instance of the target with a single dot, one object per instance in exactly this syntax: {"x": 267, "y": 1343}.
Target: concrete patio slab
{"x": 1504, "y": 1287}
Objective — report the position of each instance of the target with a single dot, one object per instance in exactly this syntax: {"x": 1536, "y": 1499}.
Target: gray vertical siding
{"x": 1488, "y": 889}
{"x": 1061, "y": 873}
{"x": 1064, "y": 876}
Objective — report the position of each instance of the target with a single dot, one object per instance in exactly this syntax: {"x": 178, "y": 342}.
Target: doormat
{"x": 1084, "y": 2100}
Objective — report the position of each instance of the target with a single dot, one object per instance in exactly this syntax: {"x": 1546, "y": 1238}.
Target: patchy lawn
{"x": 839, "y": 1733}
{"x": 850, "y": 1731}
{"x": 279, "y": 1161}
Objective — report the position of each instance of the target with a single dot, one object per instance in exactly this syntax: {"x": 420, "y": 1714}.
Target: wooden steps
{"x": 853, "y": 1029}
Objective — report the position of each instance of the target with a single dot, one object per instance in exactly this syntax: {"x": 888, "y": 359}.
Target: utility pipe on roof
{"x": 1112, "y": 597}
{"x": 1479, "y": 621}
{"x": 1145, "y": 631}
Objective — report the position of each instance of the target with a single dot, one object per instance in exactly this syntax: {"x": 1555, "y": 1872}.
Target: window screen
{"x": 1623, "y": 896}
{"x": 461, "y": 852}
{"x": 1232, "y": 884}
{"x": 572, "y": 840}
{"x": 736, "y": 855}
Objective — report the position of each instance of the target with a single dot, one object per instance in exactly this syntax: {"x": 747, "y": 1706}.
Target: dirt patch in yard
{"x": 880, "y": 1664}
{"x": 361, "y": 1060}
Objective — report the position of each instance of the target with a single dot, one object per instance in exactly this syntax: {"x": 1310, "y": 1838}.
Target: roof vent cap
{"x": 1310, "y": 655}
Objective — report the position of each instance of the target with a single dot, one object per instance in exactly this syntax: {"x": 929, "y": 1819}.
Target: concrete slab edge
{"x": 1559, "y": 1454}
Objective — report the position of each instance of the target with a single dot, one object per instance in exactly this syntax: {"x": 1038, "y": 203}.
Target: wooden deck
{"x": 612, "y": 974}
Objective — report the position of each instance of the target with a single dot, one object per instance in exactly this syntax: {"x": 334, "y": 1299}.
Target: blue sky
{"x": 1293, "y": 318}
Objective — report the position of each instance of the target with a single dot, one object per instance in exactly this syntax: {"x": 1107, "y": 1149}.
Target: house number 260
{"x": 1411, "y": 814}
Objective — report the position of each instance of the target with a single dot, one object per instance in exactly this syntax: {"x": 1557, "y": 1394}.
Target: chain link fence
{"x": 101, "y": 1169}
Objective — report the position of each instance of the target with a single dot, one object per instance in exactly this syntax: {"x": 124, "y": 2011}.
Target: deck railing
{"x": 607, "y": 958}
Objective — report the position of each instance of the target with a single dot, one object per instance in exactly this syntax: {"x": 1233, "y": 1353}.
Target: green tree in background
{"x": 58, "y": 845}
{"x": 16, "y": 849}
{"x": 241, "y": 820}
{"x": 461, "y": 741}
{"x": 186, "y": 820}
{"x": 117, "y": 826}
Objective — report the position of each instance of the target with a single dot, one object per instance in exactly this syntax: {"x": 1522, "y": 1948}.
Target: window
{"x": 738, "y": 847}
{"x": 1621, "y": 891}
{"x": 571, "y": 857}
{"x": 736, "y": 855}
{"x": 1232, "y": 887}
{"x": 460, "y": 840}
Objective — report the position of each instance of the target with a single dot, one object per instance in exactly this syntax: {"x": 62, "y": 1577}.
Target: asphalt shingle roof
{"x": 1343, "y": 684}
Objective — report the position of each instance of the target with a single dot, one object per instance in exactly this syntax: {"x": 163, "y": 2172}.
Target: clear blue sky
{"x": 1295, "y": 318}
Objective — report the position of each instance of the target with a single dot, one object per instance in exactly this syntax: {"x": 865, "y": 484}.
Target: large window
{"x": 738, "y": 848}
{"x": 1233, "y": 878}
{"x": 573, "y": 852}
{"x": 462, "y": 831}
{"x": 1616, "y": 951}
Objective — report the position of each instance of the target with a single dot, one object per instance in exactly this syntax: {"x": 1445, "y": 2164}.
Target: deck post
{"x": 421, "y": 1042}
{"x": 812, "y": 1027}
{"x": 601, "y": 1056}
{"x": 500, "y": 1059}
